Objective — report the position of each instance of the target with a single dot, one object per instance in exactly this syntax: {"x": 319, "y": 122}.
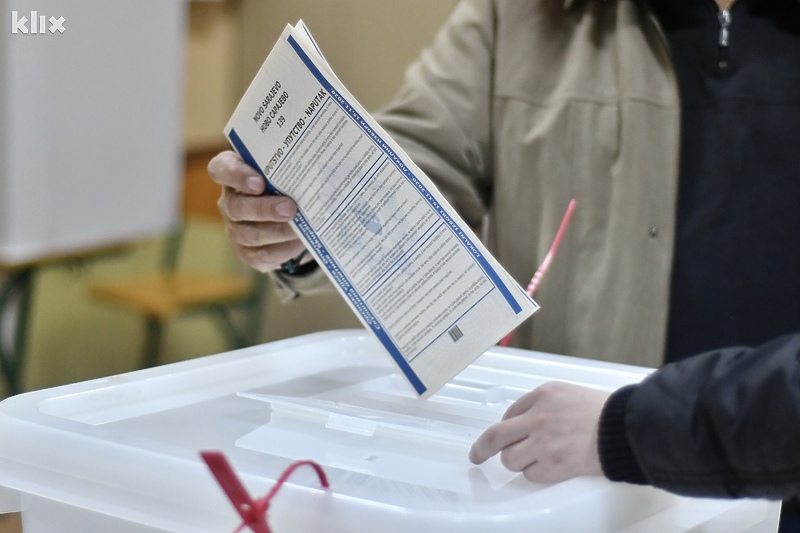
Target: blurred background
{"x": 70, "y": 334}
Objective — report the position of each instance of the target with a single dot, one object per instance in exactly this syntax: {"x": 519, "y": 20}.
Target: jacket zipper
{"x": 724, "y": 18}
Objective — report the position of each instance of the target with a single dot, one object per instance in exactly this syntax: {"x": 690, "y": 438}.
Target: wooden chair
{"x": 236, "y": 300}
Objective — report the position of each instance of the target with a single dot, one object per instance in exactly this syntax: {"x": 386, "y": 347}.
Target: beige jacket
{"x": 519, "y": 106}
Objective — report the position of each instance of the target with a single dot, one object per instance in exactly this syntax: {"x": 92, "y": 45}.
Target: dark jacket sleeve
{"x": 721, "y": 424}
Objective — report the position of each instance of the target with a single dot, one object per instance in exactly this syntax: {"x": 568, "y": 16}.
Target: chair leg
{"x": 15, "y": 298}
{"x": 152, "y": 343}
{"x": 256, "y": 309}
{"x": 235, "y": 337}
{"x": 247, "y": 332}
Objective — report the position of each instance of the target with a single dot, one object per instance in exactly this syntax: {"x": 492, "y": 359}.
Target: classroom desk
{"x": 15, "y": 297}
{"x": 16, "y": 289}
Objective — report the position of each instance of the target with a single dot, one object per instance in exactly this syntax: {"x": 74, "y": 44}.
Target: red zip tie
{"x": 253, "y": 512}
{"x": 542, "y": 270}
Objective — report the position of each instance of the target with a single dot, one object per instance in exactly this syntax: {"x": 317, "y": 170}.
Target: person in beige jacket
{"x": 512, "y": 146}
{"x": 519, "y": 106}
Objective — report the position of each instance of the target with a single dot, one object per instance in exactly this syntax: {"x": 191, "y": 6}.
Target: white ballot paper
{"x": 403, "y": 259}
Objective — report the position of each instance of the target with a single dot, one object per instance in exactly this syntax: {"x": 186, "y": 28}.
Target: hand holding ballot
{"x": 256, "y": 224}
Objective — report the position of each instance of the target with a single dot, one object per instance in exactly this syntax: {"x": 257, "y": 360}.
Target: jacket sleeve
{"x": 290, "y": 288}
{"x": 721, "y": 424}
{"x": 441, "y": 116}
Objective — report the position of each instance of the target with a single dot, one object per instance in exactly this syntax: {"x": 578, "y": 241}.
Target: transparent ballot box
{"x": 121, "y": 454}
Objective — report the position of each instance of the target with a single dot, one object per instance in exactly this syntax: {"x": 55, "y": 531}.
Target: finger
{"x": 255, "y": 234}
{"x": 542, "y": 472}
{"x": 519, "y": 456}
{"x": 540, "y": 463}
{"x": 268, "y": 258}
{"x": 228, "y": 170}
{"x": 536, "y": 473}
{"x": 495, "y": 439}
{"x": 521, "y": 405}
{"x": 238, "y": 207}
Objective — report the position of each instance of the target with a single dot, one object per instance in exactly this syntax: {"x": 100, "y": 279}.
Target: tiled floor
{"x": 9, "y": 523}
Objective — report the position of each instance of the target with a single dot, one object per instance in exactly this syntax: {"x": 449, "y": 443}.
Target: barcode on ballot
{"x": 455, "y": 333}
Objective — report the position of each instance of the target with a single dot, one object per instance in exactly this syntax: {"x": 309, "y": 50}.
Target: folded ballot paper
{"x": 402, "y": 258}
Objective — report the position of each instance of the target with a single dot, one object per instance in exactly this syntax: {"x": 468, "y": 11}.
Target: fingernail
{"x": 285, "y": 209}
{"x": 255, "y": 184}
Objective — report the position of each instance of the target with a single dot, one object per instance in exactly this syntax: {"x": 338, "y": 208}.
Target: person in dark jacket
{"x": 721, "y": 424}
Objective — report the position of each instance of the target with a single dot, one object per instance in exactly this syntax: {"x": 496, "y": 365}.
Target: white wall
{"x": 91, "y": 147}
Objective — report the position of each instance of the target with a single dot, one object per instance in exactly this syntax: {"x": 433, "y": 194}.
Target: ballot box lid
{"x": 127, "y": 447}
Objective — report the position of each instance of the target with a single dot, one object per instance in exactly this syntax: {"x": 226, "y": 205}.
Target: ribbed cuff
{"x": 616, "y": 455}
{"x": 290, "y": 288}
